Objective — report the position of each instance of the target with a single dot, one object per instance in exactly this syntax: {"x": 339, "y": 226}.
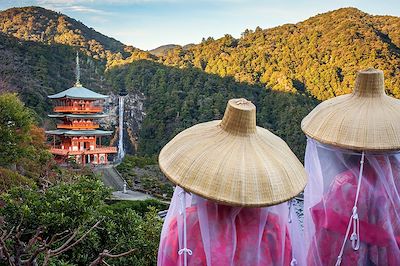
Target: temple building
{"x": 78, "y": 136}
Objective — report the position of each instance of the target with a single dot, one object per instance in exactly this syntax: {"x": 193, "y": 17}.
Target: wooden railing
{"x": 59, "y": 151}
{"x": 78, "y": 109}
{"x": 102, "y": 150}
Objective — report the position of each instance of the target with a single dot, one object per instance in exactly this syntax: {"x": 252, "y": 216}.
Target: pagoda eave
{"x": 62, "y": 115}
{"x": 79, "y": 132}
{"x": 78, "y": 93}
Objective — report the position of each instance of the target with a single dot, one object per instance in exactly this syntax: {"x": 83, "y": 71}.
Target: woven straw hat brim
{"x": 356, "y": 123}
{"x": 250, "y": 170}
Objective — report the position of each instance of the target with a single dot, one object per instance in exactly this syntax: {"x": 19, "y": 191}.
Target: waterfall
{"x": 121, "y": 152}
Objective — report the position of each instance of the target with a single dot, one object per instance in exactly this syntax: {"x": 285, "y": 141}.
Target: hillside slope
{"x": 188, "y": 85}
{"x": 163, "y": 49}
{"x": 319, "y": 55}
{"x": 49, "y": 27}
{"x": 179, "y": 98}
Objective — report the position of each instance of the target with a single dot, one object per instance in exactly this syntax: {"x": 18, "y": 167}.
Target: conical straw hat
{"x": 366, "y": 119}
{"x": 234, "y": 162}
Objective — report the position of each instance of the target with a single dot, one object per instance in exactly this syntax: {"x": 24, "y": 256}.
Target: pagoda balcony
{"x": 102, "y": 150}
{"x": 97, "y": 150}
{"x": 78, "y": 126}
{"x": 77, "y": 109}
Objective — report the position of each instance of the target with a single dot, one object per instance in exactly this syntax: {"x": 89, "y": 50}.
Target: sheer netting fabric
{"x": 351, "y": 207}
{"x": 222, "y": 235}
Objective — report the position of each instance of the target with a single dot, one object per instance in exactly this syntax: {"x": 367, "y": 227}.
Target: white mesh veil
{"x": 351, "y": 207}
{"x": 223, "y": 235}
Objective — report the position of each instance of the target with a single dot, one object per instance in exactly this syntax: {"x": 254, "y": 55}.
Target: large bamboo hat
{"x": 366, "y": 119}
{"x": 234, "y": 162}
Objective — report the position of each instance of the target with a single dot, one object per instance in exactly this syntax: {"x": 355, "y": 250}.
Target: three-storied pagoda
{"x": 79, "y": 136}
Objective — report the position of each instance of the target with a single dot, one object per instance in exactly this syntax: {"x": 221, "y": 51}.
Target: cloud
{"x": 131, "y": 2}
{"x": 100, "y": 2}
{"x": 92, "y": 6}
{"x": 84, "y": 9}
{"x": 75, "y": 8}
{"x": 71, "y": 5}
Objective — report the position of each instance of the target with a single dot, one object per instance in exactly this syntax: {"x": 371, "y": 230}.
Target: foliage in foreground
{"x": 24, "y": 156}
{"x": 70, "y": 224}
{"x": 141, "y": 207}
{"x": 15, "y": 124}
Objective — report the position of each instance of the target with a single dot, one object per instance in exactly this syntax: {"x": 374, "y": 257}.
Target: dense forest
{"x": 191, "y": 84}
{"x": 176, "y": 98}
{"x": 186, "y": 85}
{"x": 179, "y": 98}
{"x": 319, "y": 55}
{"x": 49, "y": 27}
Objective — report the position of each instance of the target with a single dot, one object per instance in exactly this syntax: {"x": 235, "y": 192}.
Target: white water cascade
{"x": 121, "y": 152}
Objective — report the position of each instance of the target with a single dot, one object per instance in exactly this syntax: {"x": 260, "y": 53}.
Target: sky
{"x": 147, "y": 24}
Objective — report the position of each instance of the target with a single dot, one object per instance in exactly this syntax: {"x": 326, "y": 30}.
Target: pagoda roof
{"x": 78, "y": 132}
{"x": 78, "y": 92}
{"x": 78, "y": 115}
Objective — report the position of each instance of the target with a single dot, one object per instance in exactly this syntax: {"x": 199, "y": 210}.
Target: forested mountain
{"x": 190, "y": 84}
{"x": 174, "y": 98}
{"x": 164, "y": 49}
{"x": 319, "y": 55}
{"x": 49, "y": 27}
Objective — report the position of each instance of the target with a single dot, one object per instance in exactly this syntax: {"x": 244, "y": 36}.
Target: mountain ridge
{"x": 314, "y": 58}
{"x": 163, "y": 49}
{"x": 320, "y": 55}
{"x": 46, "y": 26}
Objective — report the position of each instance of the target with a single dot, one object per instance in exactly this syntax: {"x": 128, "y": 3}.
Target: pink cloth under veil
{"x": 329, "y": 200}
{"x": 223, "y": 235}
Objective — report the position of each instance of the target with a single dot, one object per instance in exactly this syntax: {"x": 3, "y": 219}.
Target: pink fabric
{"x": 329, "y": 199}
{"x": 223, "y": 235}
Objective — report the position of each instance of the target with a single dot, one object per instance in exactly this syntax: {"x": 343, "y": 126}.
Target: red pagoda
{"x": 79, "y": 137}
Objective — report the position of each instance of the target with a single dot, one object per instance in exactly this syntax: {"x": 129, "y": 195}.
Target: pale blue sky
{"x": 147, "y": 24}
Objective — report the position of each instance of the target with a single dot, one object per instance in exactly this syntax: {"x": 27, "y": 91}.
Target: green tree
{"x": 71, "y": 223}
{"x": 22, "y": 146}
{"x": 15, "y": 124}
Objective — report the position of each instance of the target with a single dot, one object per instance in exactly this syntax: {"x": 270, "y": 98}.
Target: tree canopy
{"x": 15, "y": 125}
{"x": 179, "y": 98}
{"x": 320, "y": 55}
{"x": 70, "y": 224}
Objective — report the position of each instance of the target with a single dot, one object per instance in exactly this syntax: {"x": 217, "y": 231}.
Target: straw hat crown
{"x": 232, "y": 161}
{"x": 239, "y": 117}
{"x": 367, "y": 119}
